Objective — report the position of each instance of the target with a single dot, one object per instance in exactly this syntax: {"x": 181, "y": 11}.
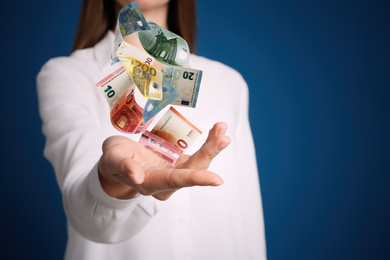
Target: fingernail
{"x": 132, "y": 177}
{"x": 222, "y": 146}
{"x": 222, "y": 131}
{"x": 219, "y": 182}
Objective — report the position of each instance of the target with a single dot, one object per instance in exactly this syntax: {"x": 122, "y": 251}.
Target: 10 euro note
{"x": 186, "y": 82}
{"x": 114, "y": 86}
{"x": 162, "y": 148}
{"x": 126, "y": 116}
{"x": 125, "y": 113}
{"x": 176, "y": 129}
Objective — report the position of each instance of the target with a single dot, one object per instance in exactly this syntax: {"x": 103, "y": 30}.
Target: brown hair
{"x": 97, "y": 17}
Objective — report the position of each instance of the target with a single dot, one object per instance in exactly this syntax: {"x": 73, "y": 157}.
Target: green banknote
{"x": 165, "y": 46}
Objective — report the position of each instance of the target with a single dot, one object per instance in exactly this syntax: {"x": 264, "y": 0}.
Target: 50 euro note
{"x": 146, "y": 78}
{"x": 125, "y": 113}
{"x": 176, "y": 129}
{"x": 130, "y": 20}
{"x": 186, "y": 82}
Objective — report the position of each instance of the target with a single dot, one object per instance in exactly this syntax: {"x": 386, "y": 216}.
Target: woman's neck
{"x": 159, "y": 15}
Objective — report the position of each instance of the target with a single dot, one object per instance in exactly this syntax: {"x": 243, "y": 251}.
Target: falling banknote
{"x": 146, "y": 78}
{"x": 125, "y": 113}
{"x": 128, "y": 50}
{"x": 186, "y": 82}
{"x": 164, "y": 149}
{"x": 156, "y": 65}
{"x": 130, "y": 20}
{"x": 165, "y": 46}
{"x": 153, "y": 107}
{"x": 176, "y": 129}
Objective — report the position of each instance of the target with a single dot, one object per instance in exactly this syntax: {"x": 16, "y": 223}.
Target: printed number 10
{"x": 110, "y": 92}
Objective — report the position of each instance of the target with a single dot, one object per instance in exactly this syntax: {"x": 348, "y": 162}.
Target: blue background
{"x": 318, "y": 73}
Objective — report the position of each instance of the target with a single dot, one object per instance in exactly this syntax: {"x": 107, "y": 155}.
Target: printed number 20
{"x": 188, "y": 75}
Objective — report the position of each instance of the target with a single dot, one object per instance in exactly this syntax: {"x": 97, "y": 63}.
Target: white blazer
{"x": 224, "y": 222}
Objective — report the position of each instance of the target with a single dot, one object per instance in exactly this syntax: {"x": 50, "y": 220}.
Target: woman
{"x": 118, "y": 196}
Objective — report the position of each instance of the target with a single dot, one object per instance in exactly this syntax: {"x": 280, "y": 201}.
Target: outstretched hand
{"x": 127, "y": 169}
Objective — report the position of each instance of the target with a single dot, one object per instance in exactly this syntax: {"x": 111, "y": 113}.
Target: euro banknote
{"x": 176, "y": 129}
{"x": 186, "y": 82}
{"x": 115, "y": 85}
{"x": 125, "y": 113}
{"x": 165, "y": 46}
{"x": 164, "y": 149}
{"x": 130, "y": 20}
{"x": 127, "y": 50}
{"x": 126, "y": 116}
{"x": 146, "y": 78}
{"x": 159, "y": 70}
{"x": 153, "y": 107}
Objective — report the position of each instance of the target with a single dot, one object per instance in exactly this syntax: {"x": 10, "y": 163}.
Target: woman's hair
{"x": 99, "y": 16}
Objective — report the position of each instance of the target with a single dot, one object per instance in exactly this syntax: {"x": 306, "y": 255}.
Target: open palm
{"x": 127, "y": 169}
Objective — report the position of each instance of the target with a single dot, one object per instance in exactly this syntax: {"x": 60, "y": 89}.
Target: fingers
{"x": 162, "y": 183}
{"x": 182, "y": 180}
{"x": 215, "y": 143}
{"x": 132, "y": 170}
{"x": 218, "y": 129}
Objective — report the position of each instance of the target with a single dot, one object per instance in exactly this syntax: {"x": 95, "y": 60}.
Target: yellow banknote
{"x": 146, "y": 78}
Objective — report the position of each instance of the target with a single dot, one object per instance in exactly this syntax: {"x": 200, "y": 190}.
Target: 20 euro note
{"x": 125, "y": 113}
{"x": 130, "y": 20}
{"x": 176, "y": 129}
{"x": 146, "y": 78}
{"x": 186, "y": 82}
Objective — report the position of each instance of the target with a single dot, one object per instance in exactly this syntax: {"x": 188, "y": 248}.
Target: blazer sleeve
{"x": 74, "y": 135}
{"x": 249, "y": 186}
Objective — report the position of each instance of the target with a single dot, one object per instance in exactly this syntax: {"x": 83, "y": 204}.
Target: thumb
{"x": 215, "y": 143}
{"x": 120, "y": 162}
{"x": 133, "y": 170}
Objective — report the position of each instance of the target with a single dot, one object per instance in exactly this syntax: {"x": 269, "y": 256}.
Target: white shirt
{"x": 224, "y": 222}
